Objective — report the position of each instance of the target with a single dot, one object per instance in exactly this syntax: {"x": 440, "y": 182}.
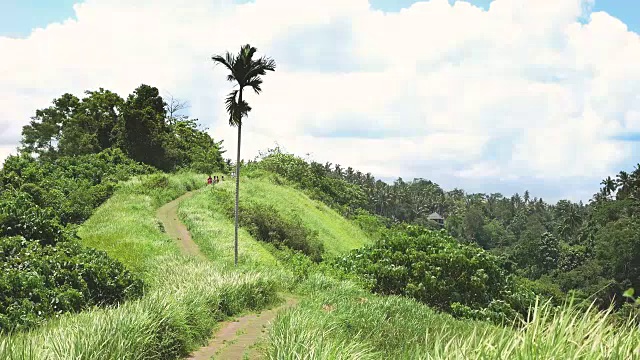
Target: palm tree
{"x": 624, "y": 184}
{"x": 609, "y": 186}
{"x": 570, "y": 223}
{"x": 245, "y": 72}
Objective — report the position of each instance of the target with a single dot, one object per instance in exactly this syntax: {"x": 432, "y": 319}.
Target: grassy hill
{"x": 213, "y": 231}
{"x": 185, "y": 297}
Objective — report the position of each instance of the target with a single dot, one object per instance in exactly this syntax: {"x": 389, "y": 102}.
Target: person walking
{"x": 209, "y": 180}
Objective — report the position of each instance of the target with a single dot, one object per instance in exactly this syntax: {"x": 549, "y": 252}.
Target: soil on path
{"x": 241, "y": 338}
{"x": 238, "y": 339}
{"x": 168, "y": 214}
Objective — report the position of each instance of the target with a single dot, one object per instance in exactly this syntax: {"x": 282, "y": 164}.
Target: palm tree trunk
{"x": 235, "y": 243}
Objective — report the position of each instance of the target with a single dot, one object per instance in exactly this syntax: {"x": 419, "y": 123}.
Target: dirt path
{"x": 238, "y": 339}
{"x": 168, "y": 214}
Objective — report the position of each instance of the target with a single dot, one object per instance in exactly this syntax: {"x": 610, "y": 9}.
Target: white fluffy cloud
{"x": 449, "y": 92}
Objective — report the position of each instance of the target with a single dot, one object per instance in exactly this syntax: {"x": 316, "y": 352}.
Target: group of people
{"x": 214, "y": 180}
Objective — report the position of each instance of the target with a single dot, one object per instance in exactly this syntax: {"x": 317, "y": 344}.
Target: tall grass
{"x": 185, "y": 297}
{"x": 369, "y": 326}
{"x": 167, "y": 323}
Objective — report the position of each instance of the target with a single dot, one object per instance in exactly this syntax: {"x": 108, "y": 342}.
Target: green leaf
{"x": 628, "y": 293}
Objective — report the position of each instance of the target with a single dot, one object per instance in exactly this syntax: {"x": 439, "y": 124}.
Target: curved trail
{"x": 234, "y": 339}
{"x": 168, "y": 214}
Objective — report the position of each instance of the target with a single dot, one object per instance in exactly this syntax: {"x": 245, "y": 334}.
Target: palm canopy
{"x": 245, "y": 71}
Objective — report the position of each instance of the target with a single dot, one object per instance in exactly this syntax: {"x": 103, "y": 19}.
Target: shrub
{"x": 434, "y": 268}
{"x": 68, "y": 188}
{"x": 19, "y": 215}
{"x": 38, "y": 281}
{"x": 156, "y": 181}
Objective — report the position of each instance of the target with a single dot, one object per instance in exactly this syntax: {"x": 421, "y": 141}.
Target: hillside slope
{"x": 338, "y": 234}
{"x": 185, "y": 297}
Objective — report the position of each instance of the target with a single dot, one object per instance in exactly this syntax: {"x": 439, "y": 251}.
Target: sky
{"x": 489, "y": 96}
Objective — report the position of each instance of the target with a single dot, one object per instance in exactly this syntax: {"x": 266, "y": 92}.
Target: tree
{"x": 610, "y": 186}
{"x": 618, "y": 248}
{"x": 245, "y": 72}
{"x": 173, "y": 107}
{"x": 142, "y": 131}
{"x": 624, "y": 183}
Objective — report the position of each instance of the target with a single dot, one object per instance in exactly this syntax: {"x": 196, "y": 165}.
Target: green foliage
{"x": 39, "y": 281}
{"x": 19, "y": 215}
{"x": 44, "y": 271}
{"x": 265, "y": 223}
{"x": 67, "y": 188}
{"x": 568, "y": 243}
{"x": 185, "y": 298}
{"x": 194, "y": 149}
{"x": 139, "y": 126}
{"x": 374, "y": 225}
{"x": 245, "y": 72}
{"x": 435, "y": 269}
{"x": 618, "y": 247}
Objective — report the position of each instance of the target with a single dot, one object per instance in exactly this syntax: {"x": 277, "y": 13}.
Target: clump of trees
{"x": 40, "y": 281}
{"x": 143, "y": 126}
{"x": 44, "y": 271}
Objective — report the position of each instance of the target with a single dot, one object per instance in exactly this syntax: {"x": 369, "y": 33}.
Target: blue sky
{"x": 19, "y": 17}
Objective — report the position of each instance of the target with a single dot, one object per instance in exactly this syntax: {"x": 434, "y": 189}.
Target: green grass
{"x": 214, "y": 233}
{"x": 338, "y": 234}
{"x": 184, "y": 299}
{"x": 339, "y": 321}
{"x": 126, "y": 227}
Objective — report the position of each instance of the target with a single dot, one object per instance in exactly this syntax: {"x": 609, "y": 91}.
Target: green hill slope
{"x": 213, "y": 231}
{"x": 185, "y": 297}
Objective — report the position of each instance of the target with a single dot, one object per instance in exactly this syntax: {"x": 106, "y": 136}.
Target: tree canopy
{"x": 143, "y": 126}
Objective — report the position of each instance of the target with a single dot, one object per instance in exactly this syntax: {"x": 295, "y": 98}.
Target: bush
{"x": 67, "y": 188}
{"x": 39, "y": 281}
{"x": 434, "y": 268}
{"x": 156, "y": 181}
{"x": 19, "y": 215}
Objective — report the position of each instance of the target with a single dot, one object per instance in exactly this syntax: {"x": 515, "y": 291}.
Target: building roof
{"x": 435, "y": 216}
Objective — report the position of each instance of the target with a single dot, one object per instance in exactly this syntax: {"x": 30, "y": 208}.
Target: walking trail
{"x": 237, "y": 339}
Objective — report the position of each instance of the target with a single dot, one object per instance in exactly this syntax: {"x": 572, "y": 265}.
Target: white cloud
{"x": 397, "y": 94}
